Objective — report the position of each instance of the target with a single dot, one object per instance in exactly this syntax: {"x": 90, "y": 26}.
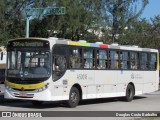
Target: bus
{"x": 53, "y": 69}
{"x": 3, "y": 55}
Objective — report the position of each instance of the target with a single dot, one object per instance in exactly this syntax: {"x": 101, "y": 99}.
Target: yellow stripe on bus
{"x": 73, "y": 43}
{"x": 24, "y": 86}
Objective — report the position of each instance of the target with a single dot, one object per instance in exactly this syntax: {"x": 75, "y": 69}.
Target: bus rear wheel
{"x": 74, "y": 98}
{"x": 129, "y": 93}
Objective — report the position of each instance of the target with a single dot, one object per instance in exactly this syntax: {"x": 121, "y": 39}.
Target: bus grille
{"x": 27, "y": 95}
{"x": 24, "y": 89}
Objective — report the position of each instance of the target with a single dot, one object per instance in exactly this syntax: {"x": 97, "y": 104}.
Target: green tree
{"x": 12, "y": 17}
{"x": 81, "y": 15}
{"x": 11, "y": 23}
{"x": 143, "y": 33}
{"x": 122, "y": 13}
{"x": 155, "y": 32}
{"x": 3, "y": 23}
{"x": 136, "y": 34}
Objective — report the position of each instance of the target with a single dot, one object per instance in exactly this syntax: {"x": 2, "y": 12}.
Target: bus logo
{"x": 22, "y": 89}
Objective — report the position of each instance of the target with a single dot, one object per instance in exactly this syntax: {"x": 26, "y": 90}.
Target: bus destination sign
{"x": 25, "y": 43}
{"x": 28, "y": 44}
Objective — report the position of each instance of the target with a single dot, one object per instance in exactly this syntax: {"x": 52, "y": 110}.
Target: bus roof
{"x": 101, "y": 45}
{"x": 86, "y": 44}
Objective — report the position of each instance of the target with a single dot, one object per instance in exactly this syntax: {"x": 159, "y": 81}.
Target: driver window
{"x": 59, "y": 61}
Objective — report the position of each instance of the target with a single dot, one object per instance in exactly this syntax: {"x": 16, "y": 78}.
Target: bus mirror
{"x": 1, "y": 55}
{"x": 53, "y": 67}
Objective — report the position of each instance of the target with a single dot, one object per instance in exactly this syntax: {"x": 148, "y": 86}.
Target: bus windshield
{"x": 28, "y": 63}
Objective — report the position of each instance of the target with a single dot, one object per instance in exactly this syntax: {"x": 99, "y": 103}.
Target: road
{"x": 1, "y": 88}
{"x": 145, "y": 102}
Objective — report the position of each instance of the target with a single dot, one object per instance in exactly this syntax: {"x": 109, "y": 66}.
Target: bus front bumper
{"x": 24, "y": 95}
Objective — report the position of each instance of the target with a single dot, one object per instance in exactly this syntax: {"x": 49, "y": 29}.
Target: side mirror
{"x": 1, "y": 55}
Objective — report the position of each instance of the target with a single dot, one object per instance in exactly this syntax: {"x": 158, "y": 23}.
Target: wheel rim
{"x": 74, "y": 97}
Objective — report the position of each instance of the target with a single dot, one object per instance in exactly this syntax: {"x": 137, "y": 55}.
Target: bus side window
{"x": 124, "y": 60}
{"x": 134, "y": 60}
{"x": 144, "y": 61}
{"x": 113, "y": 59}
{"x": 75, "y": 59}
{"x": 153, "y": 61}
{"x": 101, "y": 59}
{"x": 88, "y": 58}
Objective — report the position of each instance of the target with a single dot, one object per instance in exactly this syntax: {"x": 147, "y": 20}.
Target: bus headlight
{"x": 42, "y": 88}
{"x": 8, "y": 88}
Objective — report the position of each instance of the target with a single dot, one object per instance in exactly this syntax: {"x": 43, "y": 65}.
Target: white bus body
{"x": 92, "y": 82}
{"x": 3, "y": 55}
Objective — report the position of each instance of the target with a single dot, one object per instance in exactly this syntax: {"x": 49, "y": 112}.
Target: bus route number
{"x": 82, "y": 76}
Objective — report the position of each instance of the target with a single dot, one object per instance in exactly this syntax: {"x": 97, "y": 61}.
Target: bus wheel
{"x": 129, "y": 93}
{"x": 74, "y": 98}
{"x": 37, "y": 103}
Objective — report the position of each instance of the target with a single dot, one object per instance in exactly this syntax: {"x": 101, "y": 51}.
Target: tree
{"x": 3, "y": 23}
{"x": 12, "y": 17}
{"x": 155, "y": 32}
{"x": 81, "y": 15}
{"x": 122, "y": 13}
{"x": 143, "y": 33}
{"x": 82, "y": 19}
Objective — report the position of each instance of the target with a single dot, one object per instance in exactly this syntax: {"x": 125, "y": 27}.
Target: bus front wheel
{"x": 129, "y": 93}
{"x": 74, "y": 98}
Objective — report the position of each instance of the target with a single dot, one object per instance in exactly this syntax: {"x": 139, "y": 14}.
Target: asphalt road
{"x": 145, "y": 102}
{"x": 1, "y": 88}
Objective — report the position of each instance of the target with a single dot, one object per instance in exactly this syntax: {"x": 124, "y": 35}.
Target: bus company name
{"x": 82, "y": 77}
{"x": 136, "y": 76}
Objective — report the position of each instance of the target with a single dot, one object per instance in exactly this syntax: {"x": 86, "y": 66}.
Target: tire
{"x": 129, "y": 93}
{"x": 37, "y": 103}
{"x": 74, "y": 98}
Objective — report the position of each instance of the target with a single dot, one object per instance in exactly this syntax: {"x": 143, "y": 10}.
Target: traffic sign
{"x": 56, "y": 11}
{"x": 37, "y": 12}
{"x": 45, "y": 11}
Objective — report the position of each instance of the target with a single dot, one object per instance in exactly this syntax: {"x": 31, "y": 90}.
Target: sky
{"x": 151, "y": 10}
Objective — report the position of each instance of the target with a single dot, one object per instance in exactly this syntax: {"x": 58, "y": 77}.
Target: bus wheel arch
{"x": 74, "y": 96}
{"x": 79, "y": 88}
{"x": 130, "y": 92}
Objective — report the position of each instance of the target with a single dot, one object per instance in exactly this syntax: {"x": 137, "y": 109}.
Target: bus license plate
{"x": 23, "y": 94}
